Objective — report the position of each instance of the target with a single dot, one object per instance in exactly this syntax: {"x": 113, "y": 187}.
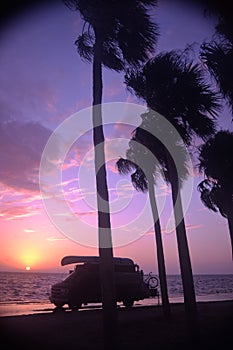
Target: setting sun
{"x": 29, "y": 256}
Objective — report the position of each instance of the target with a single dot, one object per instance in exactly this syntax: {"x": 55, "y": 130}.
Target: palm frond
{"x": 125, "y": 166}
{"x": 139, "y": 180}
{"x": 84, "y": 45}
{"x": 135, "y": 83}
{"x": 202, "y": 125}
{"x": 215, "y": 197}
{"x": 206, "y": 197}
{"x": 218, "y": 58}
{"x": 216, "y": 161}
{"x": 71, "y": 4}
{"x": 111, "y": 56}
{"x": 137, "y": 37}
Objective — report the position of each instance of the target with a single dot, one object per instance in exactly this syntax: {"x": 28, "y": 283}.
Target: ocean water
{"x": 31, "y": 287}
{"x": 26, "y": 287}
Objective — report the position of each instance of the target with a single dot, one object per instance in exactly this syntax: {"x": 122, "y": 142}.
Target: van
{"x": 82, "y": 285}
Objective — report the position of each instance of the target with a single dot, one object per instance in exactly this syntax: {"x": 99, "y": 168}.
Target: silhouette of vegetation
{"x": 175, "y": 87}
{"x": 144, "y": 166}
{"x": 218, "y": 58}
{"x": 216, "y": 162}
{"x": 121, "y": 36}
{"x": 218, "y": 54}
{"x": 115, "y": 34}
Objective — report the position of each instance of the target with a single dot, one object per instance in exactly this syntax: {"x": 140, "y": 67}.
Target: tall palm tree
{"x": 116, "y": 34}
{"x": 218, "y": 54}
{"x": 144, "y": 167}
{"x": 175, "y": 87}
{"x": 216, "y": 162}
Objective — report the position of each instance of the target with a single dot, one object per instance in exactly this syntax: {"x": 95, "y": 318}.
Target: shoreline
{"x": 32, "y": 307}
{"x": 138, "y": 328}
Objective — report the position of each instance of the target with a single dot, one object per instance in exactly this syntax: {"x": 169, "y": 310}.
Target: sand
{"x": 138, "y": 328}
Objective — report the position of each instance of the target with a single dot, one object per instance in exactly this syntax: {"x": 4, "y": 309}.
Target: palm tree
{"x": 116, "y": 34}
{"x": 175, "y": 87}
{"x": 218, "y": 54}
{"x": 216, "y": 190}
{"x": 144, "y": 167}
{"x": 218, "y": 57}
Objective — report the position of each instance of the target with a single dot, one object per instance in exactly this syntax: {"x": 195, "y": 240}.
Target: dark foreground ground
{"x": 141, "y": 328}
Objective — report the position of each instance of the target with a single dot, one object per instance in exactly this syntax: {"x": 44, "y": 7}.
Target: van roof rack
{"x": 73, "y": 259}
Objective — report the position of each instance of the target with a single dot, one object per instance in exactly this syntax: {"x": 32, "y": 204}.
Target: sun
{"x": 28, "y": 268}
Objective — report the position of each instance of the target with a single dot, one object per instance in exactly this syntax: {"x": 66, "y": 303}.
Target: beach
{"x": 138, "y": 328}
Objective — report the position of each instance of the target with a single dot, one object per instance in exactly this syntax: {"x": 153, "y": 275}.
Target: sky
{"x": 43, "y": 83}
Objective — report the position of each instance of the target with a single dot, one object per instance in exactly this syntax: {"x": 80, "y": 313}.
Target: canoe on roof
{"x": 73, "y": 259}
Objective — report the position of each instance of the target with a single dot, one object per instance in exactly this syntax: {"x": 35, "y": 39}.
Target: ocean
{"x": 32, "y": 287}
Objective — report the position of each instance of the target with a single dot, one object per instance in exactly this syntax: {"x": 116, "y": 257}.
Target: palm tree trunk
{"x": 183, "y": 250}
{"x": 159, "y": 246}
{"x": 230, "y": 225}
{"x": 104, "y": 224}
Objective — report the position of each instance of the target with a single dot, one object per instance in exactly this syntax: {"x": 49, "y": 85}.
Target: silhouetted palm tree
{"x": 216, "y": 161}
{"x": 144, "y": 167}
{"x": 175, "y": 87}
{"x": 218, "y": 58}
{"x": 218, "y": 54}
{"x": 115, "y": 34}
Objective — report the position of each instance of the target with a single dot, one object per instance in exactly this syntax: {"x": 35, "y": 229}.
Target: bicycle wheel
{"x": 153, "y": 282}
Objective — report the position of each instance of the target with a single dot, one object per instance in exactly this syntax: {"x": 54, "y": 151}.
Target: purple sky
{"x": 42, "y": 82}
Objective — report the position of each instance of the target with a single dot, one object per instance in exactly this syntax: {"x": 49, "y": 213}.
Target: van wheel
{"x": 128, "y": 302}
{"x": 75, "y": 307}
{"x": 59, "y": 305}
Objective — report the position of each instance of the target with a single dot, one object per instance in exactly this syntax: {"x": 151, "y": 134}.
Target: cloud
{"x": 169, "y": 231}
{"x": 16, "y": 204}
{"x": 193, "y": 227}
{"x": 18, "y": 212}
{"x": 111, "y": 166}
{"x": 29, "y": 230}
{"x": 21, "y": 146}
{"x": 55, "y": 239}
{"x": 87, "y": 213}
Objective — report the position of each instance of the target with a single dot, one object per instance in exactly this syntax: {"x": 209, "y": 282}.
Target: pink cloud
{"x": 193, "y": 227}
{"x": 165, "y": 231}
{"x": 111, "y": 166}
{"x": 55, "y": 239}
{"x": 86, "y": 213}
{"x": 21, "y": 146}
{"x": 18, "y": 212}
{"x": 16, "y": 204}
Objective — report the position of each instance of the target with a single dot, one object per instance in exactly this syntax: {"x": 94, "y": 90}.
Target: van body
{"x": 82, "y": 286}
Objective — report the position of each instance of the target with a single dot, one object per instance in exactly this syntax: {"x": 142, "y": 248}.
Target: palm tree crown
{"x": 127, "y": 33}
{"x": 175, "y": 87}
